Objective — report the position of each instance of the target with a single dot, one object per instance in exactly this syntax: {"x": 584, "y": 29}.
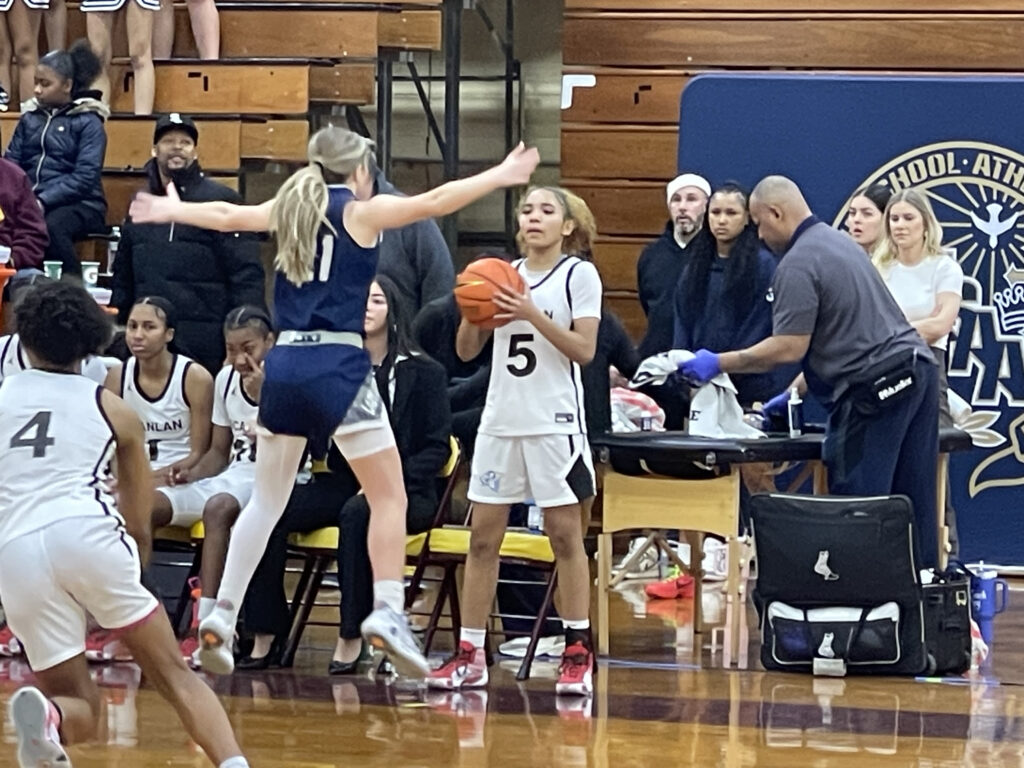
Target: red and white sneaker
{"x": 576, "y": 672}
{"x": 38, "y": 726}
{"x": 102, "y": 646}
{"x": 466, "y": 668}
{"x": 9, "y": 645}
{"x": 673, "y": 588}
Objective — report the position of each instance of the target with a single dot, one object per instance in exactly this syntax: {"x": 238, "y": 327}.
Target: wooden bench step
{"x": 625, "y": 208}
{"x": 257, "y": 87}
{"x": 619, "y": 152}
{"x": 223, "y": 143}
{"x": 819, "y": 6}
{"x": 312, "y": 28}
{"x": 807, "y": 40}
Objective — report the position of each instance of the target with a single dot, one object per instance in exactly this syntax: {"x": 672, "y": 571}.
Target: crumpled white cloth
{"x": 714, "y": 409}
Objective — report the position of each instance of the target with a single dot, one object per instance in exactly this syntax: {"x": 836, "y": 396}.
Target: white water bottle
{"x": 796, "y": 413}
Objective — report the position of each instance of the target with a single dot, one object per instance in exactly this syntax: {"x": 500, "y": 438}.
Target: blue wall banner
{"x": 962, "y": 141}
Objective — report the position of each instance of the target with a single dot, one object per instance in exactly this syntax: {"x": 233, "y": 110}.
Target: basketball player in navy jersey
{"x": 319, "y": 384}
{"x": 532, "y": 444}
{"x": 65, "y": 550}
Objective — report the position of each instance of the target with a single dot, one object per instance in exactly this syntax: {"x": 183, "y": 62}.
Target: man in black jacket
{"x": 205, "y": 274}
{"x": 661, "y": 262}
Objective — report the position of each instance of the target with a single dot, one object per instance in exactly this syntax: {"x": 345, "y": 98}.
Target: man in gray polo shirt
{"x": 860, "y": 356}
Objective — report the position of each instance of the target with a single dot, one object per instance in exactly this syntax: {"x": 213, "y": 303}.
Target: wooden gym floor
{"x": 660, "y": 700}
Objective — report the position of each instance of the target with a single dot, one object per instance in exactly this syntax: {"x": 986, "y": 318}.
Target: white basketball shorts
{"x": 52, "y": 577}
{"x": 189, "y": 500}
{"x": 550, "y": 470}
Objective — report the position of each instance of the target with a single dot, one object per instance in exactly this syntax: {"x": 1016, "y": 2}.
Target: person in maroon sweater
{"x": 22, "y": 226}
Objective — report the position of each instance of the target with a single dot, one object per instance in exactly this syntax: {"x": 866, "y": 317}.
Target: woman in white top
{"x": 172, "y": 395}
{"x": 927, "y": 283}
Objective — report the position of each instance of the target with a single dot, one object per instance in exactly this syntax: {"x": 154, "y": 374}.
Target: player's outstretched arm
{"x": 147, "y": 208}
{"x": 364, "y": 220}
{"x": 135, "y": 493}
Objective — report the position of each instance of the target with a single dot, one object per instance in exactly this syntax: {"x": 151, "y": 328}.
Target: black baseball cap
{"x": 175, "y": 122}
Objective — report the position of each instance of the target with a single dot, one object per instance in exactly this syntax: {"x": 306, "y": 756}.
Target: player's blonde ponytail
{"x": 300, "y": 206}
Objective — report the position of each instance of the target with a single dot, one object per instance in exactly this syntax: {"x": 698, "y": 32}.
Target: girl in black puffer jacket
{"x": 60, "y": 144}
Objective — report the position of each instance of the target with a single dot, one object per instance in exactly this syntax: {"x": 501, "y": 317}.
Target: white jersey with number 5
{"x": 232, "y": 408}
{"x": 55, "y": 449}
{"x": 534, "y": 389}
{"x": 167, "y": 417}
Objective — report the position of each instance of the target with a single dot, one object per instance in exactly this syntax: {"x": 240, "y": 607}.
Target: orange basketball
{"x": 475, "y": 288}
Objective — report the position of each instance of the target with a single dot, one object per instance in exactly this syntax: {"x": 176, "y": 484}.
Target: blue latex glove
{"x": 701, "y": 368}
{"x": 777, "y": 407}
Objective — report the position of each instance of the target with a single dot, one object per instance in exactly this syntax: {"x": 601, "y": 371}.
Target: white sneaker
{"x": 646, "y": 566}
{"x": 216, "y": 635}
{"x": 387, "y": 630}
{"x": 553, "y": 645}
{"x": 36, "y": 722}
{"x": 716, "y": 560}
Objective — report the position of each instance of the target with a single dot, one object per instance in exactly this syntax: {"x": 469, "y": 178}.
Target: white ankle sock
{"x": 581, "y": 624}
{"x": 474, "y": 637}
{"x": 391, "y": 594}
{"x": 206, "y": 605}
{"x": 235, "y": 762}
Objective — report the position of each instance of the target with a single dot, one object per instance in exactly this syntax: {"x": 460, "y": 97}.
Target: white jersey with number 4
{"x": 55, "y": 450}
{"x": 167, "y": 417}
{"x": 534, "y": 389}
{"x": 232, "y": 408}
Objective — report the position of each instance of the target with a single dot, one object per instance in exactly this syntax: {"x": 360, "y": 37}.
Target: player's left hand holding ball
{"x": 147, "y": 208}
{"x": 701, "y": 368}
{"x": 514, "y": 305}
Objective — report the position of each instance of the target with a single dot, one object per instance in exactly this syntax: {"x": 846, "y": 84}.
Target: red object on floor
{"x": 671, "y": 588}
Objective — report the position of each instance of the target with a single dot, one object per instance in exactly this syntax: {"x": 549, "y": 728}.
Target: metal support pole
{"x": 428, "y": 111}
{"x": 511, "y": 73}
{"x": 452, "y": 73}
{"x": 385, "y": 91}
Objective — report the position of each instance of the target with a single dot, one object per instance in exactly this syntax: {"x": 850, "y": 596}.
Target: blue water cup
{"x": 989, "y": 593}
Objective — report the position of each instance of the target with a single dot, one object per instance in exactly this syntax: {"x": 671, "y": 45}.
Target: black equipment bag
{"x": 838, "y": 590}
{"x": 947, "y": 621}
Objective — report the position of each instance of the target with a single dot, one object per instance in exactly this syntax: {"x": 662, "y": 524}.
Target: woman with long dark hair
{"x": 722, "y": 301}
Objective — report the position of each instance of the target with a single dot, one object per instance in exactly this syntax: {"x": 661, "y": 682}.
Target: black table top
{"x": 680, "y": 454}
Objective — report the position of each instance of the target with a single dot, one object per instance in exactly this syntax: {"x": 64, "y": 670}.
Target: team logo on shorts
{"x": 977, "y": 192}
{"x": 492, "y": 480}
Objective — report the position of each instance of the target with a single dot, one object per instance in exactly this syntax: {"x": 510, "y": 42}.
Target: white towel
{"x": 714, "y": 409}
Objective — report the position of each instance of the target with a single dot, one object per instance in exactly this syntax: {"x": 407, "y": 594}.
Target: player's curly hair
{"x": 60, "y": 323}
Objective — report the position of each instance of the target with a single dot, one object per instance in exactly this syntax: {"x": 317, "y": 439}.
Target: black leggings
{"x": 66, "y": 225}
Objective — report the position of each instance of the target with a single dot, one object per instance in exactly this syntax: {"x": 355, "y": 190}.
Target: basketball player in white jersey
{"x": 13, "y": 358}
{"x": 221, "y": 483}
{"x": 532, "y": 443}
{"x": 65, "y": 550}
{"x": 170, "y": 393}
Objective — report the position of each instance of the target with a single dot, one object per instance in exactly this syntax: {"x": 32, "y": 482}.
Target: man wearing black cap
{"x": 205, "y": 274}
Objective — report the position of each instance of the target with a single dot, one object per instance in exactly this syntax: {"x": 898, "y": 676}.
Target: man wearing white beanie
{"x": 662, "y": 261}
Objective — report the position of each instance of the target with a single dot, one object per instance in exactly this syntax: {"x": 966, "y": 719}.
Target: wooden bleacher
{"x": 253, "y": 104}
{"x": 619, "y": 137}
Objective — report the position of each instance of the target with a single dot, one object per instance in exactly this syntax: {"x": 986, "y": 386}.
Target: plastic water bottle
{"x": 796, "y": 413}
{"x": 535, "y": 518}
